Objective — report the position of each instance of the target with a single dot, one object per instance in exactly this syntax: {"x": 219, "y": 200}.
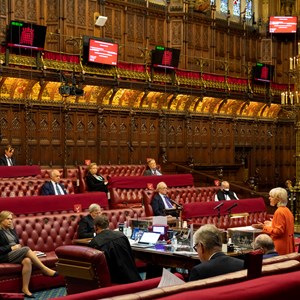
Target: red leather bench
{"x": 108, "y": 171}
{"x": 199, "y": 287}
{"x": 40, "y": 205}
{"x": 183, "y": 195}
{"x": 28, "y": 187}
{"x": 45, "y": 233}
{"x": 200, "y": 213}
{"x": 129, "y": 191}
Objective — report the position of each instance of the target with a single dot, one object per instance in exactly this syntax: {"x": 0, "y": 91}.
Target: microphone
{"x": 219, "y": 205}
{"x": 136, "y": 219}
{"x": 176, "y": 203}
{"x": 231, "y": 207}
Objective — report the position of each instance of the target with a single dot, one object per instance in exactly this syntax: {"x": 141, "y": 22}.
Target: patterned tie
{"x": 168, "y": 203}
{"x": 58, "y": 192}
{"x": 154, "y": 172}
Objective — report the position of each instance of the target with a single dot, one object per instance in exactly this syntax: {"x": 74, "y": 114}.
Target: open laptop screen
{"x": 149, "y": 237}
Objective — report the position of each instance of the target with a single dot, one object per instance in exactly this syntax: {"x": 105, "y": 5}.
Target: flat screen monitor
{"x": 160, "y": 229}
{"x": 162, "y": 57}
{"x": 263, "y": 72}
{"x": 26, "y": 35}
{"x": 283, "y": 24}
{"x": 99, "y": 51}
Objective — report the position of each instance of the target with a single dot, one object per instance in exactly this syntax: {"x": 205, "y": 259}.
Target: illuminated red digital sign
{"x": 103, "y": 52}
{"x": 283, "y": 24}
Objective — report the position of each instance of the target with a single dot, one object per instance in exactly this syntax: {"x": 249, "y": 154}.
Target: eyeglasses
{"x": 195, "y": 247}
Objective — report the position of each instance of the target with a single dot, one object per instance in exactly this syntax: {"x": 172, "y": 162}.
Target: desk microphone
{"x": 231, "y": 207}
{"x": 176, "y": 203}
{"x": 219, "y": 205}
{"x": 137, "y": 214}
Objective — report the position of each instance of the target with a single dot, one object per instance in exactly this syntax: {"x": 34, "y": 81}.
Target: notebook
{"x": 148, "y": 239}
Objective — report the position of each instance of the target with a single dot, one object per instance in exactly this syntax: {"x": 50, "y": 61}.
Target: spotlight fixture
{"x": 100, "y": 21}
{"x": 70, "y": 90}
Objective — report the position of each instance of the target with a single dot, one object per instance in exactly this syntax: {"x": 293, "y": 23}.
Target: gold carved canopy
{"x": 47, "y": 92}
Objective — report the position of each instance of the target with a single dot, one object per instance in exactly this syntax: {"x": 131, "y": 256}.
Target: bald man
{"x": 265, "y": 243}
{"x": 225, "y": 193}
{"x": 53, "y": 187}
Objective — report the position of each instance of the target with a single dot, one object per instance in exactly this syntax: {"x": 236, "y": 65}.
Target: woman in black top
{"x": 11, "y": 251}
{"x": 94, "y": 181}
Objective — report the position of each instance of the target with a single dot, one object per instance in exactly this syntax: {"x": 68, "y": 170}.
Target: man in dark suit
{"x": 208, "y": 244}
{"x": 86, "y": 224}
{"x": 265, "y": 243}
{"x": 7, "y": 159}
{"x": 161, "y": 202}
{"x": 225, "y": 193}
{"x": 53, "y": 187}
{"x": 117, "y": 251}
{"x": 152, "y": 169}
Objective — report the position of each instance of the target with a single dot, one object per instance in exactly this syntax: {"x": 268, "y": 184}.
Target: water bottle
{"x": 174, "y": 242}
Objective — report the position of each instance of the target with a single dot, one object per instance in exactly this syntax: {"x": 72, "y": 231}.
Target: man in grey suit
{"x": 152, "y": 169}
{"x": 208, "y": 245}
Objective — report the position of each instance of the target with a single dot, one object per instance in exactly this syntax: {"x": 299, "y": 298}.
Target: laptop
{"x": 148, "y": 239}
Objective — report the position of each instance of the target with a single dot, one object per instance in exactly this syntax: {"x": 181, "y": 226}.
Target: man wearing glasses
{"x": 161, "y": 203}
{"x": 208, "y": 245}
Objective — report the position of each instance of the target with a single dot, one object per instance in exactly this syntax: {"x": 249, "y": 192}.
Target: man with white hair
{"x": 264, "y": 243}
{"x": 161, "y": 203}
{"x": 208, "y": 245}
{"x": 86, "y": 227}
{"x": 53, "y": 187}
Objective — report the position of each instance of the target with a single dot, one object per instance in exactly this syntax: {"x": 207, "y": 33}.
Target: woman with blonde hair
{"x": 281, "y": 227}
{"x": 94, "y": 181}
{"x": 12, "y": 252}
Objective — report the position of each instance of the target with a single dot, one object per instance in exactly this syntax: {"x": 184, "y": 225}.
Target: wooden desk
{"x": 82, "y": 242}
{"x": 171, "y": 259}
{"x": 165, "y": 258}
{"x": 145, "y": 222}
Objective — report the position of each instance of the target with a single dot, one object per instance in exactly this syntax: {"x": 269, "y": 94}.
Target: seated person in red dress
{"x": 152, "y": 168}
{"x": 95, "y": 182}
{"x": 53, "y": 187}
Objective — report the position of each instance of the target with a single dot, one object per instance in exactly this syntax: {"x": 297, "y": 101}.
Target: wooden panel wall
{"x": 66, "y": 136}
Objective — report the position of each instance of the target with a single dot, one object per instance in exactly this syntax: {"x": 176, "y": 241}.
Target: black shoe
{"x": 55, "y": 274}
{"x": 28, "y": 296}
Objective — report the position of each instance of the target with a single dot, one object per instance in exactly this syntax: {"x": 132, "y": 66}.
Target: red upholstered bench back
{"x": 122, "y": 198}
{"x": 28, "y": 187}
{"x": 205, "y": 213}
{"x": 45, "y": 233}
{"x": 84, "y": 268}
{"x": 109, "y": 171}
{"x": 182, "y": 196}
{"x": 45, "y": 173}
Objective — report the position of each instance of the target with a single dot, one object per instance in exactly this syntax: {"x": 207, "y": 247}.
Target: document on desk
{"x": 186, "y": 253}
{"x": 169, "y": 279}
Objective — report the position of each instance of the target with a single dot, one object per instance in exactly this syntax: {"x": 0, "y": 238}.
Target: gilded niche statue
{"x": 202, "y": 5}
